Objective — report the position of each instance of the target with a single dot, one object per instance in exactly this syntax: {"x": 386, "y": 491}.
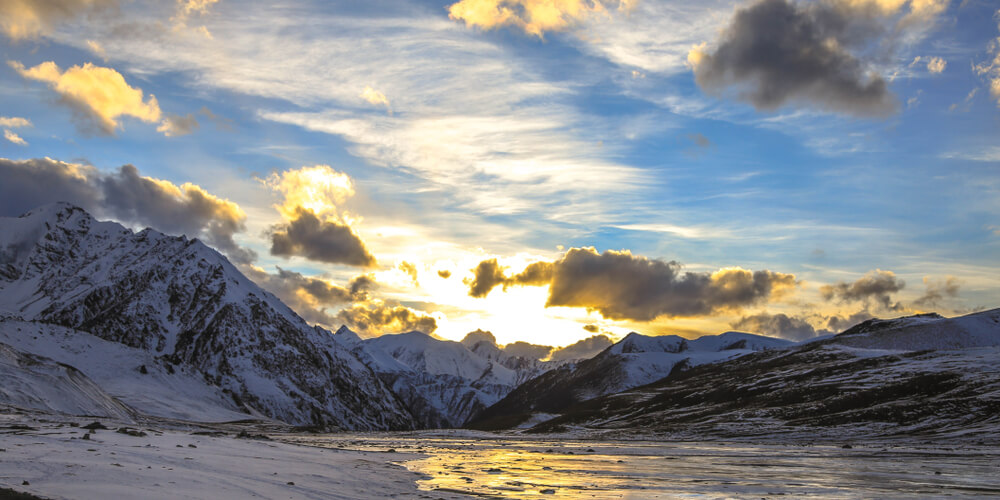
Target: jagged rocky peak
{"x": 183, "y": 301}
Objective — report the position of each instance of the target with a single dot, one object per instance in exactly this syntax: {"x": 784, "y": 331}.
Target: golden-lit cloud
{"x": 377, "y": 98}
{"x": 25, "y": 19}
{"x": 14, "y": 122}
{"x": 318, "y": 189}
{"x": 315, "y": 227}
{"x": 187, "y": 8}
{"x": 621, "y": 286}
{"x": 376, "y": 318}
{"x": 11, "y": 136}
{"x": 97, "y": 49}
{"x": 98, "y": 95}
{"x": 535, "y": 17}
{"x": 7, "y": 123}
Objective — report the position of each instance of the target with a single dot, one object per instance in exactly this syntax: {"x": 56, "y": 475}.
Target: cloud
{"x": 841, "y": 323}
{"x": 98, "y": 96}
{"x": 592, "y": 328}
{"x": 534, "y": 17}
{"x": 584, "y": 349}
{"x": 312, "y": 297}
{"x": 488, "y": 274}
{"x": 411, "y": 270}
{"x": 319, "y": 189}
{"x": 127, "y": 196}
{"x": 308, "y": 236}
{"x": 619, "y": 285}
{"x": 377, "y": 98}
{"x": 25, "y": 19}
{"x": 778, "y": 52}
{"x": 187, "y": 8}
{"x": 176, "y": 125}
{"x": 221, "y": 123}
{"x": 699, "y": 140}
{"x": 876, "y": 285}
{"x": 778, "y": 325}
{"x": 14, "y": 122}
{"x": 444, "y": 273}
{"x": 97, "y": 49}
{"x": 990, "y": 70}
{"x": 376, "y": 318}
{"x": 936, "y": 65}
{"x": 938, "y": 291}
{"x": 525, "y": 350}
{"x": 13, "y": 137}
{"x": 315, "y": 228}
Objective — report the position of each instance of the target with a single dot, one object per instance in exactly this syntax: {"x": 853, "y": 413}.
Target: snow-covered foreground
{"x": 488, "y": 465}
{"x": 51, "y": 460}
{"x": 46, "y": 456}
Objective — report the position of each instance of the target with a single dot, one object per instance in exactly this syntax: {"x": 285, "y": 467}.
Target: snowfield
{"x": 50, "y": 459}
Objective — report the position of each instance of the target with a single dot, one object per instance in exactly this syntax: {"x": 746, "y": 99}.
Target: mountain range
{"x": 96, "y": 319}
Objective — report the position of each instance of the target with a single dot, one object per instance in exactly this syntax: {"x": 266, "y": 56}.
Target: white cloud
{"x": 464, "y": 109}
{"x": 12, "y": 137}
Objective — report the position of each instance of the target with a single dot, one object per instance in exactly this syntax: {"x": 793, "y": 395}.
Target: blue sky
{"x": 496, "y": 132}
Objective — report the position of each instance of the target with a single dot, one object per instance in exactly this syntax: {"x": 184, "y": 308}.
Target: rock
{"x": 94, "y": 426}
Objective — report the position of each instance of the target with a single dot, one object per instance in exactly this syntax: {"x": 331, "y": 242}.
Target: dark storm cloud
{"x": 525, "y": 350}
{"x": 840, "y": 323}
{"x": 320, "y": 240}
{"x": 377, "y": 318}
{"x": 620, "y": 285}
{"x": 938, "y": 291}
{"x": 28, "y": 184}
{"x": 584, "y": 349}
{"x": 311, "y": 297}
{"x": 489, "y": 274}
{"x": 876, "y": 286}
{"x": 778, "y": 325}
{"x": 776, "y": 52}
{"x": 127, "y": 196}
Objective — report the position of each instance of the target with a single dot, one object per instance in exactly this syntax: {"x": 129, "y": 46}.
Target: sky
{"x": 546, "y": 170}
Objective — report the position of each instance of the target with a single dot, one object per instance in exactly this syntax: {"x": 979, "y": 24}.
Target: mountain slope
{"x": 185, "y": 303}
{"x": 878, "y": 379}
{"x": 635, "y": 360}
{"x": 39, "y": 383}
{"x": 441, "y": 382}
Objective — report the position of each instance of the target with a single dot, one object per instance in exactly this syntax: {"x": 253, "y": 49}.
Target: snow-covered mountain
{"x": 180, "y": 306}
{"x": 921, "y": 375}
{"x": 634, "y": 361}
{"x": 442, "y": 383}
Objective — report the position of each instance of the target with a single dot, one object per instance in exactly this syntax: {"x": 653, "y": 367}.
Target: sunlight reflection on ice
{"x": 521, "y": 468}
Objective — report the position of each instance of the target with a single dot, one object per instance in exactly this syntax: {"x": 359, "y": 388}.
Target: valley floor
{"x": 47, "y": 456}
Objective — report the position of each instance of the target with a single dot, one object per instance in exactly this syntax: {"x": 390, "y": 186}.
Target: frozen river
{"x": 521, "y": 468}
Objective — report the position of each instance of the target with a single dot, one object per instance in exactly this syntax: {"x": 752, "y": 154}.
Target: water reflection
{"x": 516, "y": 468}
